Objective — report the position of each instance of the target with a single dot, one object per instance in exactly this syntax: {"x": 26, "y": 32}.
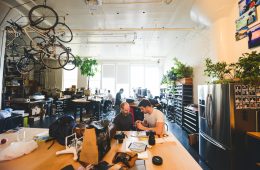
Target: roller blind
{"x": 122, "y": 74}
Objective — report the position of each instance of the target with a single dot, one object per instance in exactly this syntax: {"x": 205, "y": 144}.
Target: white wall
{"x": 214, "y": 37}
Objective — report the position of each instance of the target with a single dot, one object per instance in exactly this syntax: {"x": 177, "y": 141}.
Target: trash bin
{"x": 193, "y": 139}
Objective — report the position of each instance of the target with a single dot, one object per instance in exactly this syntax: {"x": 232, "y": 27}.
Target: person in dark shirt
{"x": 124, "y": 121}
{"x": 118, "y": 100}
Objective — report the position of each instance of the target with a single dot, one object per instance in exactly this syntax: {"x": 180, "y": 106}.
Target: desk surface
{"x": 254, "y": 135}
{"x": 83, "y": 100}
{"x": 174, "y": 155}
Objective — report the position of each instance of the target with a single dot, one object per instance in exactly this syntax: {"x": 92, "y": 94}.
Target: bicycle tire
{"x": 52, "y": 52}
{"x": 40, "y": 21}
{"x": 70, "y": 63}
{"x": 25, "y": 65}
{"x": 40, "y": 43}
{"x": 63, "y": 31}
{"x": 16, "y": 47}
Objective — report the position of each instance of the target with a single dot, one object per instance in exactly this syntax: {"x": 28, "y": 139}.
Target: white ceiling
{"x": 122, "y": 29}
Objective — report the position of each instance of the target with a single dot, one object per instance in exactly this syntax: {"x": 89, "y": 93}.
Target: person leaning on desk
{"x": 153, "y": 118}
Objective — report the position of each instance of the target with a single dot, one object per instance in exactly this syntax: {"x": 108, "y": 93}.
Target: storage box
{"x": 193, "y": 139}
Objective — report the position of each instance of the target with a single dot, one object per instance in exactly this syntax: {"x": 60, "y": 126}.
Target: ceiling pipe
{"x": 100, "y": 2}
{"x": 106, "y": 42}
{"x": 134, "y": 29}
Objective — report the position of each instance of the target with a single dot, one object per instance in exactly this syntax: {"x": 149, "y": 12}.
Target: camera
{"x": 120, "y": 137}
{"x": 151, "y": 134}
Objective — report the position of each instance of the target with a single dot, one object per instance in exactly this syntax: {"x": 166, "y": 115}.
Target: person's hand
{"x": 139, "y": 125}
{"x": 138, "y": 121}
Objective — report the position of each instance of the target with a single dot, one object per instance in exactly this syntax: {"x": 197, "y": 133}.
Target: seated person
{"x": 124, "y": 121}
{"x": 153, "y": 118}
{"x": 108, "y": 102}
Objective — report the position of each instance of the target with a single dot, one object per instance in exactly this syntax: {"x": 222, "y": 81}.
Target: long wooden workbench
{"x": 175, "y": 156}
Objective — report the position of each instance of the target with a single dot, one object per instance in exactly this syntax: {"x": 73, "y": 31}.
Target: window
{"x": 152, "y": 79}
{"x": 137, "y": 76}
{"x": 95, "y": 81}
{"x": 108, "y": 78}
{"x": 122, "y": 79}
{"x": 70, "y": 78}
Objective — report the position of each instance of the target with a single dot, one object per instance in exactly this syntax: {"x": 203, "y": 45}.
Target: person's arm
{"x": 158, "y": 129}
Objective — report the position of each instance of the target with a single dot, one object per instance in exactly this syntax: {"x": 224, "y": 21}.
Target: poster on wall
{"x": 246, "y": 97}
{"x": 241, "y": 33}
{"x": 245, "y": 5}
{"x": 242, "y": 5}
{"x": 246, "y": 19}
{"x": 253, "y": 34}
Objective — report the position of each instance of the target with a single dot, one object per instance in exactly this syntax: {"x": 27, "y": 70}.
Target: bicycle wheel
{"x": 70, "y": 63}
{"x": 51, "y": 56}
{"x": 43, "y": 17}
{"x": 63, "y": 32}
{"x": 38, "y": 43}
{"x": 16, "y": 47}
{"x": 25, "y": 64}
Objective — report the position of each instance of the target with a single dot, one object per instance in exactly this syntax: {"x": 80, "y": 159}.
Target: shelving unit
{"x": 182, "y": 97}
{"x": 190, "y": 119}
{"x": 13, "y": 82}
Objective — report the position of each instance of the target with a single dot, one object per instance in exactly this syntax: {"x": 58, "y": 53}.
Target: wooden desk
{"x": 79, "y": 103}
{"x": 174, "y": 155}
{"x": 255, "y": 135}
{"x": 41, "y": 158}
{"x": 83, "y": 103}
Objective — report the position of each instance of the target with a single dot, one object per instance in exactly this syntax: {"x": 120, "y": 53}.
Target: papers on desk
{"x": 137, "y": 147}
{"x": 42, "y": 136}
{"x": 141, "y": 155}
{"x": 139, "y": 134}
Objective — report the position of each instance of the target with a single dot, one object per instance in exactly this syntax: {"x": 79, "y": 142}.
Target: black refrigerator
{"x": 226, "y": 113}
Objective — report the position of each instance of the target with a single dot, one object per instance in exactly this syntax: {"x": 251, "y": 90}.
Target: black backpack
{"x": 61, "y": 128}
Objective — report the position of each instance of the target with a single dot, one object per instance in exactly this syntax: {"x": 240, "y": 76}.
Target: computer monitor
{"x": 139, "y": 92}
{"x": 144, "y": 92}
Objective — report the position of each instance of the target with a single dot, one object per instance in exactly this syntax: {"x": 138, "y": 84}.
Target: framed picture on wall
{"x": 242, "y": 5}
{"x": 245, "y": 5}
{"x": 246, "y": 19}
{"x": 241, "y": 33}
{"x": 253, "y": 34}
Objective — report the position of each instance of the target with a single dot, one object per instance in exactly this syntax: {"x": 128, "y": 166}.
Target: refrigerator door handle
{"x": 212, "y": 141}
{"x": 207, "y": 110}
{"x": 211, "y": 111}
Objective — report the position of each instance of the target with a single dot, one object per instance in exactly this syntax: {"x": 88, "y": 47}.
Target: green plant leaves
{"x": 87, "y": 66}
{"x": 178, "y": 71}
{"x": 247, "y": 69}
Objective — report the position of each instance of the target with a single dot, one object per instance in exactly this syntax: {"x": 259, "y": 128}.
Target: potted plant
{"x": 220, "y": 72}
{"x": 88, "y": 67}
{"x": 247, "y": 69}
{"x": 179, "y": 73}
